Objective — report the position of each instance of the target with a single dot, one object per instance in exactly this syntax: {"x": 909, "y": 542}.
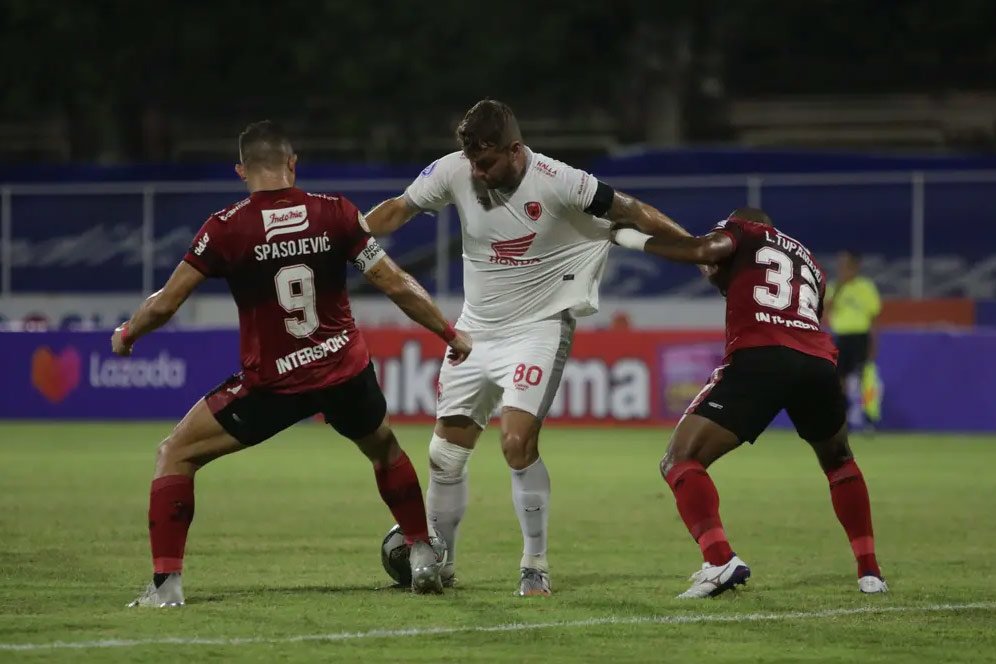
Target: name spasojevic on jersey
{"x": 528, "y": 254}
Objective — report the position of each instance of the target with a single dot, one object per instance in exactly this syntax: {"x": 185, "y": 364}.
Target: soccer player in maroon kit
{"x": 777, "y": 356}
{"x": 284, "y": 252}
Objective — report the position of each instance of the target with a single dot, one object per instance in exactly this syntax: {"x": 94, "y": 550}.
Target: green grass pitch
{"x": 285, "y": 545}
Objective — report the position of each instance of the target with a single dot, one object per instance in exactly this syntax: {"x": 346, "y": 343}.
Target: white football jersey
{"x": 528, "y": 254}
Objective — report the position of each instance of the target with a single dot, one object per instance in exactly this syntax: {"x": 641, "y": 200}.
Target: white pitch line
{"x": 679, "y": 619}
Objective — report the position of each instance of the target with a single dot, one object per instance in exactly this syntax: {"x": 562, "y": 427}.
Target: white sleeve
{"x": 576, "y": 187}
{"x": 431, "y": 189}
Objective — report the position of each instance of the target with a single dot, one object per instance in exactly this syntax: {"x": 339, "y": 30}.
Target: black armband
{"x": 602, "y": 200}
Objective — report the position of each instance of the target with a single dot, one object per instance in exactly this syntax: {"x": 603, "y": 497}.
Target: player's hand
{"x": 460, "y": 348}
{"x": 118, "y": 344}
{"x": 708, "y": 271}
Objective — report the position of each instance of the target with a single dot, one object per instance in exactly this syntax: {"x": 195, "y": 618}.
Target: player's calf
{"x": 851, "y": 504}
{"x": 696, "y": 443}
{"x": 397, "y": 483}
{"x": 195, "y": 441}
{"x": 530, "y": 495}
{"x": 447, "y": 497}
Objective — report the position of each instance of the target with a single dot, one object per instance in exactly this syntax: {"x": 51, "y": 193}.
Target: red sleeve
{"x": 732, "y": 229}
{"x": 206, "y": 253}
{"x": 354, "y": 239}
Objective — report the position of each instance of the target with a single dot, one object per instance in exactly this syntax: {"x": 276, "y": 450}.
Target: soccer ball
{"x": 394, "y": 554}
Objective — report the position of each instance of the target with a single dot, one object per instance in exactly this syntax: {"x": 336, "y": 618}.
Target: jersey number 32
{"x": 778, "y": 293}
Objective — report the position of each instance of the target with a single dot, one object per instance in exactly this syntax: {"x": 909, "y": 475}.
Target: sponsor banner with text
{"x": 614, "y": 377}
{"x": 634, "y": 377}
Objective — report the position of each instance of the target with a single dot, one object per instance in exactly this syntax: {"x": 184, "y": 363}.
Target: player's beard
{"x": 510, "y": 180}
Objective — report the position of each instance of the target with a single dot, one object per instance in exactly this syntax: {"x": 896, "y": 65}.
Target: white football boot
{"x": 169, "y": 593}
{"x": 872, "y": 585}
{"x": 426, "y": 563}
{"x": 534, "y": 582}
{"x": 448, "y": 574}
{"x": 714, "y": 580}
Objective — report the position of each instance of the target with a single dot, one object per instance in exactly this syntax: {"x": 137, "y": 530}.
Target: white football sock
{"x": 446, "y": 501}
{"x": 531, "y": 496}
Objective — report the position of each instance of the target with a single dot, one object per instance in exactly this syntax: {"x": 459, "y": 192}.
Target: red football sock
{"x": 698, "y": 505}
{"x": 171, "y": 509}
{"x": 850, "y": 501}
{"x": 401, "y": 492}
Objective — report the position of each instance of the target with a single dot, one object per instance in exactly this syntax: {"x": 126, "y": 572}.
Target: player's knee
{"x": 163, "y": 452}
{"x": 519, "y": 450}
{"x": 170, "y": 453}
{"x": 680, "y": 449}
{"x": 381, "y": 446}
{"x": 833, "y": 455}
{"x": 835, "y": 451}
{"x": 667, "y": 463}
{"x": 447, "y": 461}
{"x": 176, "y": 454}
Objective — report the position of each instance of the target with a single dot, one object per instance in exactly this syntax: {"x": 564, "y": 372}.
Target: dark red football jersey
{"x": 774, "y": 291}
{"x": 284, "y": 254}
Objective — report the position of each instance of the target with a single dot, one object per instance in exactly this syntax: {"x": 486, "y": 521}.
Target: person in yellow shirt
{"x": 852, "y": 305}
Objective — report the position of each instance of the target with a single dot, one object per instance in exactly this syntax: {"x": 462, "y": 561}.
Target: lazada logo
{"x": 55, "y": 376}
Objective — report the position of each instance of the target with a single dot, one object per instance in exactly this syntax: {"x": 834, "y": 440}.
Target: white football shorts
{"x": 518, "y": 369}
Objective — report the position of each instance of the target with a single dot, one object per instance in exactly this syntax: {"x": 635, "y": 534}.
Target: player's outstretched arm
{"x": 630, "y": 211}
{"x": 708, "y": 249}
{"x": 157, "y": 309}
{"x": 413, "y": 299}
{"x": 388, "y": 216}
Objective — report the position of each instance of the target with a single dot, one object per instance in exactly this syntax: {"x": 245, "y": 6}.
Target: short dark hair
{"x": 752, "y": 214}
{"x": 853, "y": 254}
{"x": 265, "y": 144}
{"x": 489, "y": 123}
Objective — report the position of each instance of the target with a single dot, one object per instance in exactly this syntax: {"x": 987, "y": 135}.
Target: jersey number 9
{"x": 296, "y": 294}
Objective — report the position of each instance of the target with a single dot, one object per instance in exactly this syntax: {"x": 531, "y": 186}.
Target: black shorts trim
{"x": 746, "y": 394}
{"x": 355, "y": 408}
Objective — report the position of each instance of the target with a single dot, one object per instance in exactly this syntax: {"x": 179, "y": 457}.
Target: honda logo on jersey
{"x": 507, "y": 252}
{"x": 533, "y": 210}
{"x": 285, "y": 221}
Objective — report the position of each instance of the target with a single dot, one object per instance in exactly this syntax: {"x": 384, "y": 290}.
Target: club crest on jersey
{"x": 533, "y": 210}
{"x": 285, "y": 221}
{"x": 507, "y": 252}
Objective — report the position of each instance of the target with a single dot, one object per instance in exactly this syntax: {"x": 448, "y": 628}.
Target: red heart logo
{"x": 534, "y": 210}
{"x": 55, "y": 376}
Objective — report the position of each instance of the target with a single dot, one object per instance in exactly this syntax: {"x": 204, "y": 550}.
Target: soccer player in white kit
{"x": 536, "y": 234}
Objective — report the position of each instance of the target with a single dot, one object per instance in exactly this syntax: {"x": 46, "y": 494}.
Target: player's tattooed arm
{"x": 158, "y": 308}
{"x": 707, "y": 249}
{"x": 409, "y": 295}
{"x": 630, "y": 211}
{"x": 388, "y": 216}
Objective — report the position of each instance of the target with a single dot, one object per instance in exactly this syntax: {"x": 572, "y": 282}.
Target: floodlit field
{"x": 282, "y": 561}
